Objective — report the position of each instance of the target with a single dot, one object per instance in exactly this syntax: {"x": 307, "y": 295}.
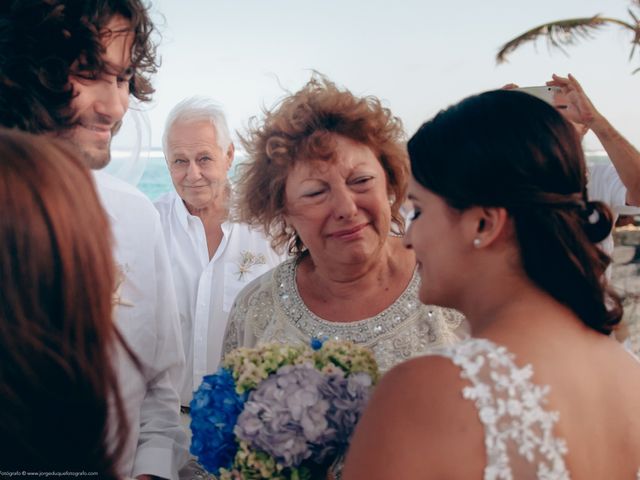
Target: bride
{"x": 503, "y": 232}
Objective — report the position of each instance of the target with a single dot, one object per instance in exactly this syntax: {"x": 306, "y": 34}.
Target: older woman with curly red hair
{"x": 327, "y": 176}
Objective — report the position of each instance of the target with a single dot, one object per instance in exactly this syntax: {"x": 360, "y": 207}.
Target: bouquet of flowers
{"x": 280, "y": 411}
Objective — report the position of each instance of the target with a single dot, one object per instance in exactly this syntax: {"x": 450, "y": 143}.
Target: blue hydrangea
{"x": 214, "y": 411}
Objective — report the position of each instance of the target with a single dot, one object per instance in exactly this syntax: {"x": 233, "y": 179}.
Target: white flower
{"x": 116, "y": 297}
{"x": 247, "y": 260}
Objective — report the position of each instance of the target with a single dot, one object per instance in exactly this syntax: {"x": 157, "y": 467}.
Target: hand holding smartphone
{"x": 543, "y": 92}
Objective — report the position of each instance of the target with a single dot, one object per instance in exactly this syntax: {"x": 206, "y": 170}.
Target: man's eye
{"x": 125, "y": 77}
{"x": 205, "y": 159}
{"x": 88, "y": 76}
{"x": 179, "y": 160}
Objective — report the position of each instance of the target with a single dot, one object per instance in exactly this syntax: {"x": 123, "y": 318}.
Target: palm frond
{"x": 562, "y": 33}
{"x": 636, "y": 37}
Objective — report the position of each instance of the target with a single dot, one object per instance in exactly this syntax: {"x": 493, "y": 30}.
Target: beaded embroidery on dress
{"x": 518, "y": 431}
{"x": 270, "y": 309}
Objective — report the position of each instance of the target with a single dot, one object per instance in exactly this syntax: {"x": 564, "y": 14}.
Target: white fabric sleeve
{"x": 163, "y": 445}
{"x": 605, "y": 186}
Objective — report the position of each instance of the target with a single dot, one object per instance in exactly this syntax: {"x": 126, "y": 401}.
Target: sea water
{"x": 153, "y": 178}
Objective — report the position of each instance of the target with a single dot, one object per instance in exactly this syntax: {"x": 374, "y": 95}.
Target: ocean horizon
{"x": 150, "y": 174}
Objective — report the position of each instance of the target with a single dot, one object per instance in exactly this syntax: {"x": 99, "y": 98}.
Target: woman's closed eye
{"x": 313, "y": 193}
{"x": 415, "y": 213}
{"x": 361, "y": 182}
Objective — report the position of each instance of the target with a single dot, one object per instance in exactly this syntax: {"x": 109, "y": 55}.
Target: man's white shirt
{"x": 206, "y": 288}
{"x": 146, "y": 314}
{"x": 604, "y": 185}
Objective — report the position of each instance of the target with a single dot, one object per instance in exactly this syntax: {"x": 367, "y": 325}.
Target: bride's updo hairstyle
{"x": 509, "y": 149}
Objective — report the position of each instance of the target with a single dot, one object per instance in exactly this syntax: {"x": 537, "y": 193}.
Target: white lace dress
{"x": 270, "y": 309}
{"x": 518, "y": 430}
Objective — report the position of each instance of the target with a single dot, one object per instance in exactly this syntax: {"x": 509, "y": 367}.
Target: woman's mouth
{"x": 349, "y": 233}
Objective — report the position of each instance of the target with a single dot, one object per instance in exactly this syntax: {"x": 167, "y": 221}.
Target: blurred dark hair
{"x": 509, "y": 149}
{"x": 302, "y": 127}
{"x": 43, "y": 41}
{"x": 58, "y": 383}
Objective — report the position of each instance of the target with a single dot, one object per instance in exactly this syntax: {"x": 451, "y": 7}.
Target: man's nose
{"x": 112, "y": 101}
{"x": 193, "y": 171}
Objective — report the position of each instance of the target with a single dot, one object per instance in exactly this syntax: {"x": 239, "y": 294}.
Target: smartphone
{"x": 543, "y": 92}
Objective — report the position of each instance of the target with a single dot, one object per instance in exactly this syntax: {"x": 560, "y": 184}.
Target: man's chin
{"x": 95, "y": 158}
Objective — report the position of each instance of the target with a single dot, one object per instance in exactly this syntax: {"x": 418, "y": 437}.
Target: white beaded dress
{"x": 270, "y": 309}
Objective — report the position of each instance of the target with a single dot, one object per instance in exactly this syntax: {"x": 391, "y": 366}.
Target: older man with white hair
{"x": 212, "y": 258}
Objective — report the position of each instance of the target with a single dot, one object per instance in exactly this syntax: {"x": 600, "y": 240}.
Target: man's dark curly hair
{"x": 41, "y": 41}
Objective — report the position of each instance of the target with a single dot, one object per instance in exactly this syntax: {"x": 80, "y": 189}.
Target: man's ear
{"x": 487, "y": 224}
{"x": 230, "y": 155}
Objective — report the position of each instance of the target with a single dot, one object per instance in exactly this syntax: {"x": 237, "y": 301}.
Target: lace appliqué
{"x": 519, "y": 438}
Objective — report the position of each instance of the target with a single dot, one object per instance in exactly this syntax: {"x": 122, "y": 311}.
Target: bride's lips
{"x": 349, "y": 233}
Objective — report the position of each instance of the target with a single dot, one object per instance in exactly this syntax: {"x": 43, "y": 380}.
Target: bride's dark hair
{"x": 509, "y": 149}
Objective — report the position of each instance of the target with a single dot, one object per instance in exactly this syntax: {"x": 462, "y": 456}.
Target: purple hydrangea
{"x": 214, "y": 410}
{"x": 348, "y": 397}
{"x": 300, "y": 413}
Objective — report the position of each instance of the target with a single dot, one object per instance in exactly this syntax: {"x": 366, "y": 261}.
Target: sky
{"x": 416, "y": 56}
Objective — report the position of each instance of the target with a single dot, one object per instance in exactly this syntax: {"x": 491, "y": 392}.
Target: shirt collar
{"x": 184, "y": 216}
{"x": 102, "y": 183}
{"x": 181, "y": 211}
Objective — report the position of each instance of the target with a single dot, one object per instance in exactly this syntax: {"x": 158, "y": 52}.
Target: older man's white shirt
{"x": 206, "y": 288}
{"x": 605, "y": 186}
{"x": 146, "y": 314}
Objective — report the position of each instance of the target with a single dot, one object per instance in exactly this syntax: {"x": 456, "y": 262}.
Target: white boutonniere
{"x": 121, "y": 274}
{"x": 247, "y": 261}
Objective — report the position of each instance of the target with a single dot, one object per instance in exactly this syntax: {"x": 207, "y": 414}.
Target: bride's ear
{"x": 485, "y": 225}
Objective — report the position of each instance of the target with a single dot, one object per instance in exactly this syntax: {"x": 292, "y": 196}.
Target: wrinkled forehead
{"x": 196, "y": 130}
{"x": 323, "y": 148}
{"x": 309, "y": 168}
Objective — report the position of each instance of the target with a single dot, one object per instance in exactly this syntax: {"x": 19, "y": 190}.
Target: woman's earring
{"x": 476, "y": 242}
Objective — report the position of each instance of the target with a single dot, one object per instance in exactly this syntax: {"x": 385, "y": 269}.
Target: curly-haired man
{"x": 67, "y": 70}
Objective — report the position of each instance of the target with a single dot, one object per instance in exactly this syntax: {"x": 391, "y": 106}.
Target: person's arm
{"x": 577, "y": 107}
{"x": 240, "y": 331}
{"x": 162, "y": 445}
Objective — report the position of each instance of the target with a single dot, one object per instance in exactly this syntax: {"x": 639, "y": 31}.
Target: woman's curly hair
{"x": 42, "y": 42}
{"x": 302, "y": 127}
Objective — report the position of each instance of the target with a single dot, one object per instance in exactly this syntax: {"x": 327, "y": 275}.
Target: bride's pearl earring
{"x": 476, "y": 242}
